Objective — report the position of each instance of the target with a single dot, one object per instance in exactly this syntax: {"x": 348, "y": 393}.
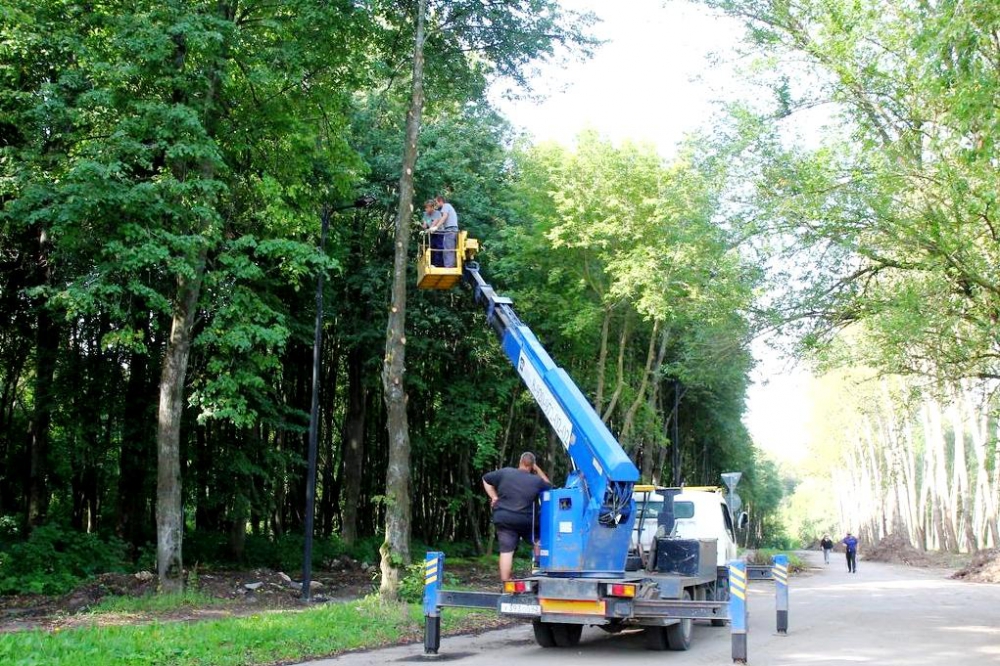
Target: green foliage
{"x": 627, "y": 243}
{"x": 53, "y": 560}
{"x": 411, "y": 583}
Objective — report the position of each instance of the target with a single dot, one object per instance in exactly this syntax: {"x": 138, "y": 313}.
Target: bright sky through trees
{"x": 664, "y": 70}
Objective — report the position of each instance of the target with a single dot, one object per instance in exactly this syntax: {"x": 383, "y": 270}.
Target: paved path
{"x": 885, "y": 615}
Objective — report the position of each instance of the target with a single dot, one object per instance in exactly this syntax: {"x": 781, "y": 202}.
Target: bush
{"x": 411, "y": 582}
{"x": 766, "y": 555}
{"x": 54, "y": 560}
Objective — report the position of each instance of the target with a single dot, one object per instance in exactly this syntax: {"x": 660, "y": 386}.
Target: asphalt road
{"x": 884, "y": 615}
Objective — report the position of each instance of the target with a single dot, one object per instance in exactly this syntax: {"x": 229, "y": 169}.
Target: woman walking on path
{"x": 827, "y": 545}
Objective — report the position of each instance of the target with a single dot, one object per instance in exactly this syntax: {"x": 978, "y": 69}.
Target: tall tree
{"x": 396, "y": 547}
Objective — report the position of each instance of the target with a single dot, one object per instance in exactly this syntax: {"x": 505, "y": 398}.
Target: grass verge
{"x": 158, "y": 603}
{"x": 266, "y": 638}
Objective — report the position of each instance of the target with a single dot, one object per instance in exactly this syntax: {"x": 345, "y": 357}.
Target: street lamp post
{"x": 327, "y": 211}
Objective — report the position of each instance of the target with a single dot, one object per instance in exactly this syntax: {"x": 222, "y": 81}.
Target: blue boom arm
{"x": 585, "y": 526}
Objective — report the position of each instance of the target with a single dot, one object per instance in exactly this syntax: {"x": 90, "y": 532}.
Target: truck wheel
{"x": 679, "y": 635}
{"x": 543, "y": 634}
{"x": 567, "y": 635}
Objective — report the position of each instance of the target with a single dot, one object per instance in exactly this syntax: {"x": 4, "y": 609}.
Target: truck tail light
{"x": 518, "y": 586}
{"x": 621, "y": 590}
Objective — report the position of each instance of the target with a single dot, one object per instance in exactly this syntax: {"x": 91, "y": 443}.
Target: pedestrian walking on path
{"x": 851, "y": 542}
{"x": 827, "y": 545}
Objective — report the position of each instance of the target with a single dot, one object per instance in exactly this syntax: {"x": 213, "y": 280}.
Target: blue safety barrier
{"x": 738, "y": 609}
{"x": 780, "y": 574}
{"x": 433, "y": 573}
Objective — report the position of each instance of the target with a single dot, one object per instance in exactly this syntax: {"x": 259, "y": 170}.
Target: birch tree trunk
{"x": 943, "y": 513}
{"x": 395, "y": 549}
{"x": 961, "y": 493}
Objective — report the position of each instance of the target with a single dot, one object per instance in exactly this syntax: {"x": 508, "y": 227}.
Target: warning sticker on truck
{"x": 520, "y": 609}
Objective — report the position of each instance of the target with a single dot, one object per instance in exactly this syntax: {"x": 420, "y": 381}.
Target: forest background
{"x": 164, "y": 168}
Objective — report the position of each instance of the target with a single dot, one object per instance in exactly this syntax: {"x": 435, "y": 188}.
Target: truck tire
{"x": 567, "y": 635}
{"x": 543, "y": 634}
{"x": 679, "y": 635}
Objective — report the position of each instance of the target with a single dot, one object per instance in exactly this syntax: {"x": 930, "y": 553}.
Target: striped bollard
{"x": 738, "y": 609}
{"x": 433, "y": 573}
{"x": 780, "y": 574}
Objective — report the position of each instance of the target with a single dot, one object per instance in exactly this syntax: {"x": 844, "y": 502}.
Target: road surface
{"x": 885, "y": 615}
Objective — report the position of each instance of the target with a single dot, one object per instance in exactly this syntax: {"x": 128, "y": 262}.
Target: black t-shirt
{"x": 516, "y": 488}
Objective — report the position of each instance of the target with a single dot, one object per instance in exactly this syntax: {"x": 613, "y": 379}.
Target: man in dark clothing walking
{"x": 851, "y": 542}
{"x": 512, "y": 492}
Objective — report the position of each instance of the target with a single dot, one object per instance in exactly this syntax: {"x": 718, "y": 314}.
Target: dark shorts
{"x": 512, "y": 527}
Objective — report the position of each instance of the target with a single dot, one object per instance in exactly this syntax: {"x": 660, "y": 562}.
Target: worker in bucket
{"x": 513, "y": 493}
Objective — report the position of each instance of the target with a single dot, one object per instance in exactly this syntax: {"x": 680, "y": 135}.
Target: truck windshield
{"x": 654, "y": 507}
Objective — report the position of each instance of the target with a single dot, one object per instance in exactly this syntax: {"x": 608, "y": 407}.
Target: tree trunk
{"x": 395, "y": 549}
{"x": 602, "y": 359}
{"x": 962, "y": 492}
{"x": 169, "y": 509}
{"x": 946, "y": 526}
{"x": 646, "y": 374}
{"x": 353, "y": 453}
{"x": 470, "y": 490}
{"x": 136, "y": 445}
{"x": 46, "y": 355}
{"x": 620, "y": 381}
{"x": 979, "y": 419}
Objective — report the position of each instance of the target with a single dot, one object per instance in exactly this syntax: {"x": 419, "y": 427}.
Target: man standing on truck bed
{"x": 512, "y": 492}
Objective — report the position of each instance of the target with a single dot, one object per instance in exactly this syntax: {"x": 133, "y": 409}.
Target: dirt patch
{"x": 984, "y": 568}
{"x": 897, "y": 549}
{"x": 220, "y": 594}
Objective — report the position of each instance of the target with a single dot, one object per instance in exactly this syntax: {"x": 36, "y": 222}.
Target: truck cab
{"x": 699, "y": 513}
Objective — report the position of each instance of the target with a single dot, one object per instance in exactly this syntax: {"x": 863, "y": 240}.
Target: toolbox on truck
{"x": 687, "y": 557}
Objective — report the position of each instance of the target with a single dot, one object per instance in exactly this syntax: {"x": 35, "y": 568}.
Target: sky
{"x": 665, "y": 68}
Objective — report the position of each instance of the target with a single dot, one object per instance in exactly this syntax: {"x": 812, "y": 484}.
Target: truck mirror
{"x": 743, "y": 521}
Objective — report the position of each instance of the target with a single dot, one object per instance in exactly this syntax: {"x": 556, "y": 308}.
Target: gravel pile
{"x": 897, "y": 549}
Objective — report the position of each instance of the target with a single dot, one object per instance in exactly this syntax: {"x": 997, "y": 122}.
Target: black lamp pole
{"x": 363, "y": 202}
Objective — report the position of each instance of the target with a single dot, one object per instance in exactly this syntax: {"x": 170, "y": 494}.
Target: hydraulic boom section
{"x": 585, "y": 526}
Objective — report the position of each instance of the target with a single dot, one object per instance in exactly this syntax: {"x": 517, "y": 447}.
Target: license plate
{"x": 520, "y": 609}
{"x": 573, "y": 606}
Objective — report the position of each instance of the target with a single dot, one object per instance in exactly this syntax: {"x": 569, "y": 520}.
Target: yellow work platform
{"x": 430, "y": 276}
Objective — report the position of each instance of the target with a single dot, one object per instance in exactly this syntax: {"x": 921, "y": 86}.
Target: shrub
{"x": 411, "y": 583}
{"x": 53, "y": 560}
{"x": 765, "y": 555}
